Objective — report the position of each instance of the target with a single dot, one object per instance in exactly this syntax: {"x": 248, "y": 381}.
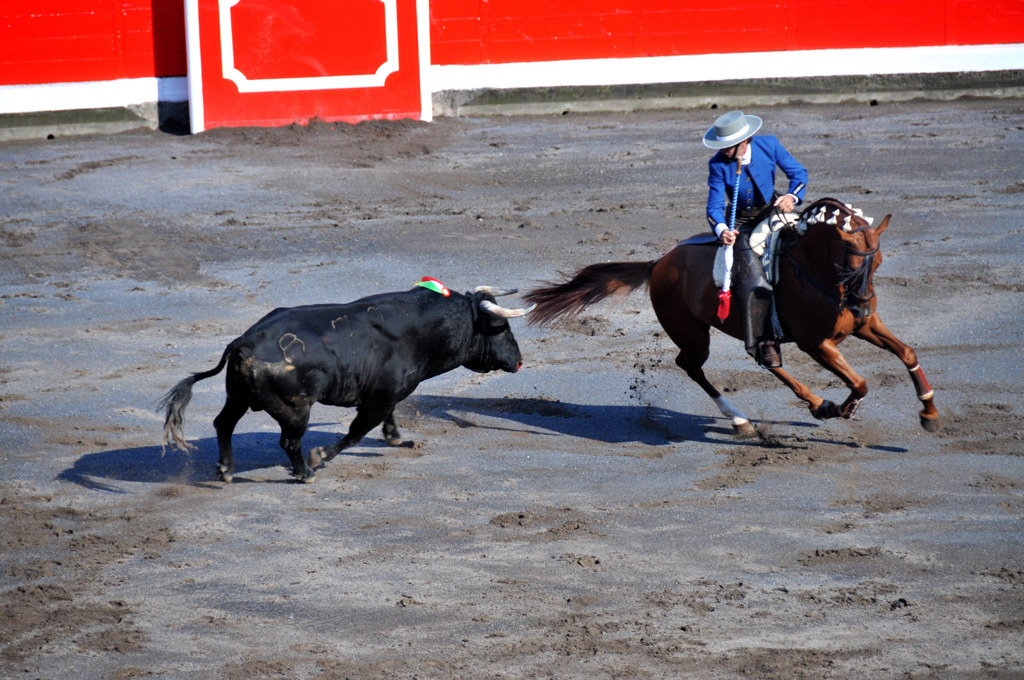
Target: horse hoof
{"x": 850, "y": 409}
{"x": 397, "y": 441}
{"x": 931, "y": 424}
{"x": 743, "y": 429}
{"x": 826, "y": 410}
{"x": 223, "y": 475}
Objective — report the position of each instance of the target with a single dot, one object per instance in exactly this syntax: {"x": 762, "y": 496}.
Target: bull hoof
{"x": 314, "y": 457}
{"x": 304, "y": 477}
{"x": 319, "y": 455}
{"x": 931, "y": 424}
{"x": 743, "y": 429}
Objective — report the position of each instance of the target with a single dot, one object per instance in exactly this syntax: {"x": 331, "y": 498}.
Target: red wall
{"x": 63, "y": 41}
{"x": 356, "y": 47}
{"x": 48, "y": 41}
{"x": 510, "y": 31}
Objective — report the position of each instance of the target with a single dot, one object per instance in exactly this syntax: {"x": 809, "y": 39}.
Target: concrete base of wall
{"x": 730, "y": 94}
{"x": 173, "y": 117}
{"x": 170, "y": 117}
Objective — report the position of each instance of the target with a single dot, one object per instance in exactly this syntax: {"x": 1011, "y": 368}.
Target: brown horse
{"x": 823, "y": 293}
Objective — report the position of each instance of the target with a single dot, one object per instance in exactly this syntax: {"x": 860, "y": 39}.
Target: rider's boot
{"x": 768, "y": 355}
{"x": 756, "y": 298}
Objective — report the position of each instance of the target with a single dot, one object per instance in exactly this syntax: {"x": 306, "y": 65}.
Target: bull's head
{"x": 498, "y": 348}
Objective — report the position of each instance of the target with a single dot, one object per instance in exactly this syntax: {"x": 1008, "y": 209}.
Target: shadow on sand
{"x": 647, "y": 425}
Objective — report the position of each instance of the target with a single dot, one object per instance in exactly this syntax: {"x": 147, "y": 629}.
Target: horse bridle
{"x": 847, "y": 298}
{"x": 855, "y": 301}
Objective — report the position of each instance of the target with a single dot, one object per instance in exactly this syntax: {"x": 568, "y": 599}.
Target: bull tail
{"x": 587, "y": 286}
{"x": 174, "y": 402}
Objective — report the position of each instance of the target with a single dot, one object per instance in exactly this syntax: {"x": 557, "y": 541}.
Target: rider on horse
{"x": 732, "y": 136}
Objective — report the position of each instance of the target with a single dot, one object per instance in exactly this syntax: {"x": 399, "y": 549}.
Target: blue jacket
{"x": 766, "y": 154}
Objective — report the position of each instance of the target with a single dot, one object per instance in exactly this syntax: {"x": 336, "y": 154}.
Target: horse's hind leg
{"x": 694, "y": 348}
{"x": 879, "y": 335}
{"x": 679, "y": 284}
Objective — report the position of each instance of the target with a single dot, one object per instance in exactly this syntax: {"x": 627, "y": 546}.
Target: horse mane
{"x": 827, "y": 220}
{"x": 834, "y": 212}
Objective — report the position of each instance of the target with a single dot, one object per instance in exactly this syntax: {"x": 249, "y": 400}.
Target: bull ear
{"x": 496, "y": 292}
{"x": 494, "y": 309}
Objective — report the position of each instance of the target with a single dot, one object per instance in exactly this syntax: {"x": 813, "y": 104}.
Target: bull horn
{"x": 496, "y": 292}
{"x": 494, "y": 309}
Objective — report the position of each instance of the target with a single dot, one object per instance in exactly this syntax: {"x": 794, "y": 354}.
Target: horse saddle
{"x": 764, "y": 241}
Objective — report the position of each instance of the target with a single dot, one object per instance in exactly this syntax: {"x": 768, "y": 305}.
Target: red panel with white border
{"x": 253, "y": 62}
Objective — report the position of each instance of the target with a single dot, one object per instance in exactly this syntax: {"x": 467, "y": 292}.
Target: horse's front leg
{"x": 802, "y": 392}
{"x": 829, "y": 356}
{"x": 879, "y": 335}
{"x": 821, "y": 409}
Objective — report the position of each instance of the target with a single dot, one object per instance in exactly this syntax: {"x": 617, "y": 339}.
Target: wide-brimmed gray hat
{"x": 730, "y": 129}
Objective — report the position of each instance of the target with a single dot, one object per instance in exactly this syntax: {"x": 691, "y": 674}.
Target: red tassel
{"x": 724, "y": 297}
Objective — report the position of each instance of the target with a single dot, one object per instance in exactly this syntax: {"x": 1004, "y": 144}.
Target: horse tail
{"x": 587, "y": 286}
{"x": 174, "y": 402}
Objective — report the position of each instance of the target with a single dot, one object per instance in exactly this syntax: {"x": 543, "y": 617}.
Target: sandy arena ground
{"x": 591, "y": 516}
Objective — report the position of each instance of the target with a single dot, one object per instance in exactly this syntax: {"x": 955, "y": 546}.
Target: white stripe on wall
{"x": 93, "y": 95}
{"x": 711, "y": 67}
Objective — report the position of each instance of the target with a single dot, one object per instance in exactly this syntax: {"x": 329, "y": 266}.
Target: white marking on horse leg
{"x": 729, "y": 411}
{"x": 927, "y": 395}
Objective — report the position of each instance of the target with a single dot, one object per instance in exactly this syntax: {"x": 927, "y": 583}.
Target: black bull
{"x": 371, "y": 353}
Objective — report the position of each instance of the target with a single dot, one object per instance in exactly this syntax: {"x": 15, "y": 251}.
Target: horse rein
{"x": 863, "y": 272}
{"x": 846, "y": 299}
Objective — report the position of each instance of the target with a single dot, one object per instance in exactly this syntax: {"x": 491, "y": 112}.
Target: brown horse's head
{"x": 861, "y": 257}
{"x": 852, "y": 243}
